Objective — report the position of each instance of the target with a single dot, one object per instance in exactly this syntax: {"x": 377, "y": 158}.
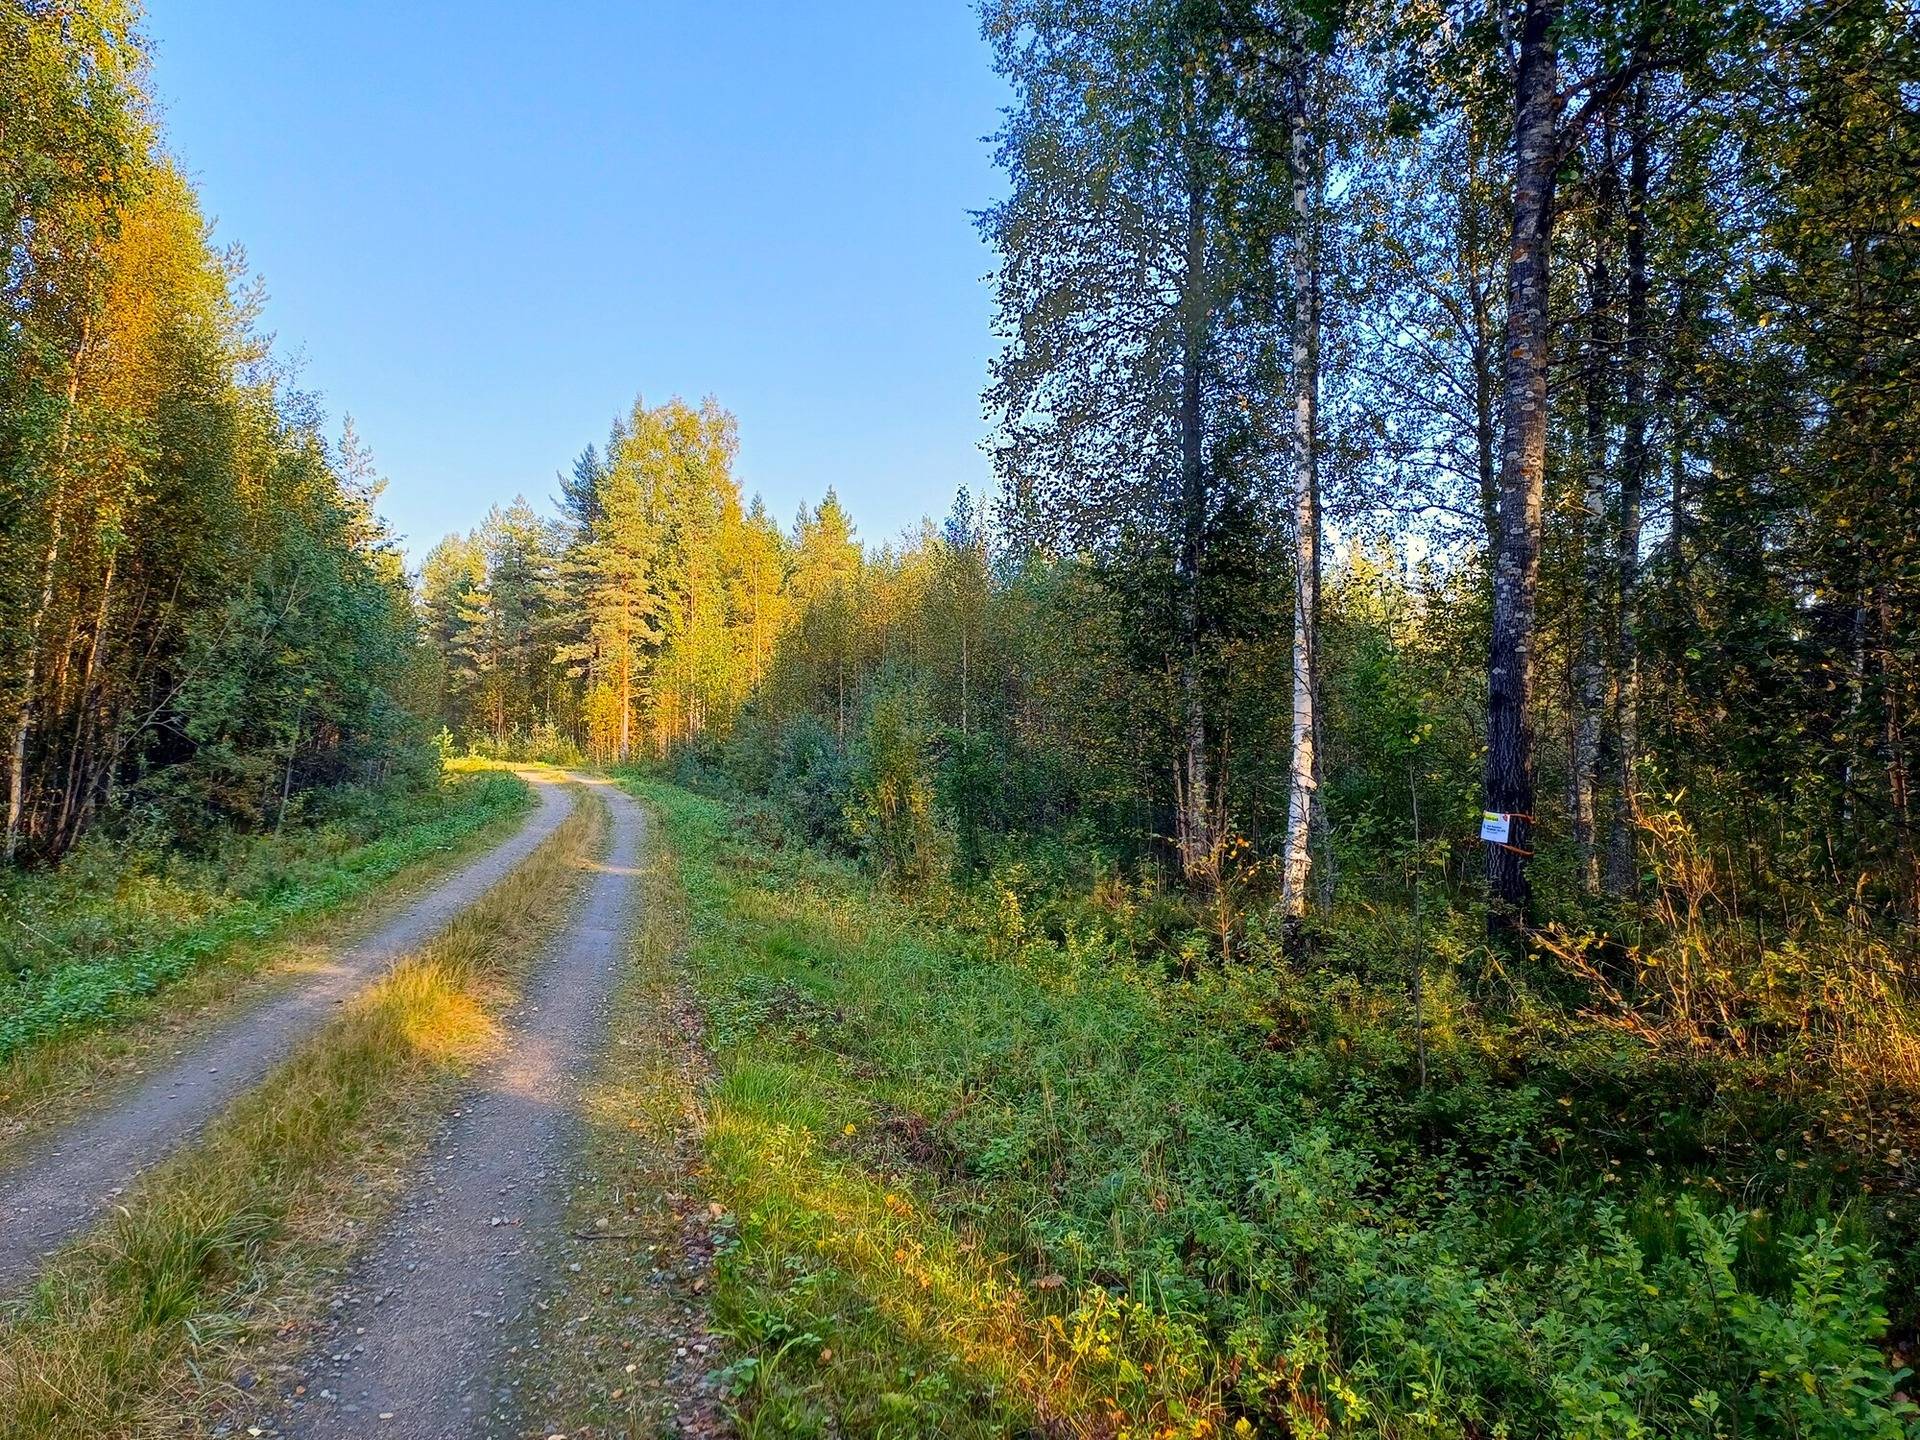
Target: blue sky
{"x": 485, "y": 227}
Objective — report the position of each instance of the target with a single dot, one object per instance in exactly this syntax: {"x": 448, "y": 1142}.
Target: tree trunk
{"x": 1622, "y": 868}
{"x": 1195, "y": 823}
{"x": 286, "y": 782}
{"x": 1304, "y": 773}
{"x": 1510, "y": 666}
{"x": 626, "y": 700}
{"x": 1589, "y": 682}
{"x": 68, "y": 827}
{"x": 49, "y": 569}
{"x": 964, "y": 728}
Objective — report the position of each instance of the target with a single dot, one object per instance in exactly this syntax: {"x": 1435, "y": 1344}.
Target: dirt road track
{"x": 67, "y": 1179}
{"x": 413, "y": 1343}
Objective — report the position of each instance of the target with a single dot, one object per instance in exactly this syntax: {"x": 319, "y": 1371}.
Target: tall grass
{"x": 1025, "y": 1165}
{"x": 1772, "y": 970}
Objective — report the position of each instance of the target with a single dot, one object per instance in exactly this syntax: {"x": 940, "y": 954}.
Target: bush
{"x": 812, "y": 783}
{"x": 544, "y": 743}
{"x": 892, "y": 810}
{"x": 969, "y": 788}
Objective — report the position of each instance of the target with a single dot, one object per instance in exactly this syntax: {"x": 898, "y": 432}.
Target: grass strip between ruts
{"x": 625, "y": 1345}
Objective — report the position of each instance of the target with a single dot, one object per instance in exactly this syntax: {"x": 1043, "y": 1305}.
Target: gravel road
{"x": 67, "y": 1179}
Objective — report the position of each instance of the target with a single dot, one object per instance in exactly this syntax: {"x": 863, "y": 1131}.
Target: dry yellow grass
{"x": 147, "y": 1324}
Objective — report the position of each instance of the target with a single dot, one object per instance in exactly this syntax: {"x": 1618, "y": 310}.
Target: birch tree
{"x": 1134, "y": 296}
{"x": 1305, "y": 155}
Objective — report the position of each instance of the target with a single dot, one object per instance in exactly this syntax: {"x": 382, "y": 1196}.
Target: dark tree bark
{"x": 1622, "y": 868}
{"x": 1509, "y": 781}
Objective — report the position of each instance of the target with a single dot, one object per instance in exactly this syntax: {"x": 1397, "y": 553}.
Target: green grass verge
{"x": 991, "y": 1175}
{"x": 81, "y": 945}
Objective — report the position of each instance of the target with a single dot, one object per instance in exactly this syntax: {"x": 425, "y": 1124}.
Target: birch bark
{"x": 1195, "y": 838}
{"x": 1304, "y": 771}
{"x": 49, "y": 570}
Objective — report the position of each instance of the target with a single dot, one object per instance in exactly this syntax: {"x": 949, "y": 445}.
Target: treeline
{"x": 910, "y": 700}
{"x": 1583, "y": 333}
{"x": 659, "y": 614}
{"x": 642, "y": 615}
{"x": 200, "y": 615}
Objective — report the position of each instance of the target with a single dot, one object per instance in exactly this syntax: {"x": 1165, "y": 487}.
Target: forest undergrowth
{"x": 1030, "y": 1154}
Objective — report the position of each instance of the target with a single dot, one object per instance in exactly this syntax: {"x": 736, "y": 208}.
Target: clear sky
{"x": 485, "y": 227}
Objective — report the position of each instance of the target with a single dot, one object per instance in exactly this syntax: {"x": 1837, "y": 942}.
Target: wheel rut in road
{"x": 412, "y": 1346}
{"x": 69, "y": 1178}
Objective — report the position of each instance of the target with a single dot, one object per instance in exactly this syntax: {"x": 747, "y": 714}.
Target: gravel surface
{"x": 415, "y": 1342}
{"x": 66, "y": 1180}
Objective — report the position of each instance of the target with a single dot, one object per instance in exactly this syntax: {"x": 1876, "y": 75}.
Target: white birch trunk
{"x": 49, "y": 569}
{"x": 1304, "y": 771}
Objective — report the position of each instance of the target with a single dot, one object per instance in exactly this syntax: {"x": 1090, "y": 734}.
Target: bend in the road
{"x": 413, "y": 1345}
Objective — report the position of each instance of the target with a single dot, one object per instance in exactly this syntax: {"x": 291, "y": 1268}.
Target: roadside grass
{"x": 163, "y": 1317}
{"x": 86, "y": 948}
{"x": 992, "y": 1172}
{"x": 859, "y": 1288}
{"x": 624, "y": 1346}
